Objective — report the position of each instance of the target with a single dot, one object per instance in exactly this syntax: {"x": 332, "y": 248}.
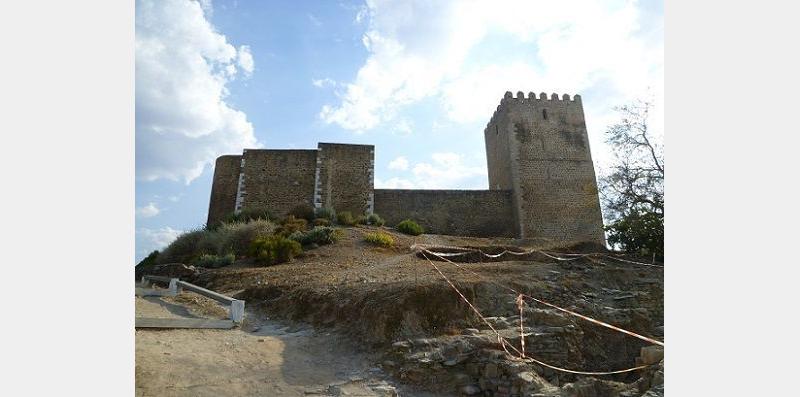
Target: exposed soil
{"x": 401, "y": 311}
{"x": 261, "y": 358}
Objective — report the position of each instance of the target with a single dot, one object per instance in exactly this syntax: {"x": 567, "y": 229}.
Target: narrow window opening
{"x": 544, "y": 114}
{"x": 496, "y": 130}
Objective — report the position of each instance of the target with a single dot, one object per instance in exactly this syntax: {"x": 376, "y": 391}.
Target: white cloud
{"x": 446, "y": 170}
{"x": 245, "y": 60}
{"x": 403, "y": 127}
{"x": 420, "y": 49}
{"x": 326, "y": 82}
{"x": 149, "y": 240}
{"x": 182, "y": 68}
{"x": 148, "y": 211}
{"x": 400, "y": 163}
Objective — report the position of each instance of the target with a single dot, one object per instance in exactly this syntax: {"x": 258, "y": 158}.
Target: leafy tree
{"x": 632, "y": 192}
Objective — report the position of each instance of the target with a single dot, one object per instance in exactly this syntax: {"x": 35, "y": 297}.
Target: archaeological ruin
{"x": 541, "y": 179}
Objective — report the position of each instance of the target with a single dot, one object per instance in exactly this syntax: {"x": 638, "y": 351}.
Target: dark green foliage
{"x": 274, "y": 249}
{"x": 319, "y": 235}
{"x": 149, "y": 260}
{"x": 183, "y": 249}
{"x": 303, "y": 211}
{"x": 632, "y": 192}
{"x": 322, "y": 222}
{"x": 361, "y": 220}
{"x": 236, "y": 237}
{"x": 146, "y": 265}
{"x": 639, "y": 233}
{"x": 214, "y": 261}
{"x": 410, "y": 227}
{"x": 375, "y": 220}
{"x": 379, "y": 238}
{"x": 208, "y": 244}
{"x": 326, "y": 213}
{"x": 291, "y": 225}
{"x": 345, "y": 218}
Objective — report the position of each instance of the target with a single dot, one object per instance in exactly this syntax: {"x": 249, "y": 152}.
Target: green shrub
{"x": 274, "y": 249}
{"x": 291, "y": 225}
{"x": 303, "y": 211}
{"x": 326, "y": 213}
{"x": 639, "y": 233}
{"x": 361, "y": 220}
{"x": 319, "y": 235}
{"x": 246, "y": 215}
{"x": 183, "y": 249}
{"x": 410, "y": 227}
{"x": 379, "y": 238}
{"x": 322, "y": 222}
{"x": 236, "y": 237}
{"x": 208, "y": 244}
{"x": 375, "y": 220}
{"x": 149, "y": 260}
{"x": 146, "y": 265}
{"x": 345, "y": 218}
{"x": 214, "y": 261}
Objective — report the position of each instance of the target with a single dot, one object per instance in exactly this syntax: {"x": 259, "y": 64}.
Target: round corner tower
{"x": 538, "y": 148}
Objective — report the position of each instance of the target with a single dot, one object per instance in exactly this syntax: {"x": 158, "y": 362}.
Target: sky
{"x": 418, "y": 79}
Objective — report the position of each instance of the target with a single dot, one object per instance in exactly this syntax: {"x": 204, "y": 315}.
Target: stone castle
{"x": 541, "y": 180}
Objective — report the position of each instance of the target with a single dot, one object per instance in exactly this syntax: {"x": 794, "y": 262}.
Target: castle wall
{"x": 344, "y": 177}
{"x": 554, "y": 184}
{"x": 498, "y": 154}
{"x": 479, "y": 213}
{"x": 223, "y": 188}
{"x": 540, "y": 167}
{"x": 278, "y": 179}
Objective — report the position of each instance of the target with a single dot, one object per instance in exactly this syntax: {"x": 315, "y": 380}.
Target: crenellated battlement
{"x": 542, "y": 99}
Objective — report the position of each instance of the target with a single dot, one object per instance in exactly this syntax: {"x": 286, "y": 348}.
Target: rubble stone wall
{"x": 344, "y": 177}
{"x": 456, "y": 212}
{"x": 223, "y": 188}
{"x": 278, "y": 179}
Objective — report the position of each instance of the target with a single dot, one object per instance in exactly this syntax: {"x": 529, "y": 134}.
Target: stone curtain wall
{"x": 481, "y": 213}
{"x": 540, "y": 167}
{"x": 223, "y": 188}
{"x": 278, "y": 179}
{"x": 555, "y": 189}
{"x": 345, "y": 177}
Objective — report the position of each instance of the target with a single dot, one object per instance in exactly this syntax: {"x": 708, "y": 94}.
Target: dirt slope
{"x": 397, "y": 305}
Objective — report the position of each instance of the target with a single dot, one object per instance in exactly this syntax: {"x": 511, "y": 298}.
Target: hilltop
{"x": 394, "y": 302}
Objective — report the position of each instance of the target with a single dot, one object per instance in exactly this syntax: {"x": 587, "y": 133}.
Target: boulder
{"x": 651, "y": 355}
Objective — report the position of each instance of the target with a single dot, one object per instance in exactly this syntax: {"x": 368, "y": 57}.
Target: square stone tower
{"x": 334, "y": 175}
{"x": 344, "y": 177}
{"x": 539, "y": 149}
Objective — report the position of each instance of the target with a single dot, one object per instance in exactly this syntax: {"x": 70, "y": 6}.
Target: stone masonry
{"x": 539, "y": 149}
{"x": 541, "y": 179}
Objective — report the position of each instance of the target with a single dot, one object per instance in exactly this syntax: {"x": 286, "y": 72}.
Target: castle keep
{"x": 541, "y": 179}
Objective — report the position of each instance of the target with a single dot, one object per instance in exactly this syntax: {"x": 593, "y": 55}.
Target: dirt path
{"x": 262, "y": 358}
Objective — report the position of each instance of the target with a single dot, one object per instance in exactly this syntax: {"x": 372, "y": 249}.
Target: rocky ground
{"x": 392, "y": 304}
{"x": 263, "y": 357}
